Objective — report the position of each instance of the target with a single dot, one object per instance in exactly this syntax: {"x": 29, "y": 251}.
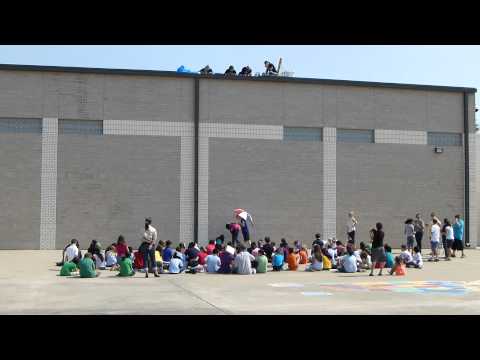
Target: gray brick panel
{"x": 146, "y": 98}
{"x": 107, "y": 185}
{"x": 20, "y": 164}
{"x": 390, "y": 182}
{"x": 280, "y": 183}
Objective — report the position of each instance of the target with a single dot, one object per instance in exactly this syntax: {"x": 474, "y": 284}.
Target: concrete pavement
{"x": 30, "y": 284}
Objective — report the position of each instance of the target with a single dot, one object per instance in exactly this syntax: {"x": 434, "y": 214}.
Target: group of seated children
{"x": 218, "y": 257}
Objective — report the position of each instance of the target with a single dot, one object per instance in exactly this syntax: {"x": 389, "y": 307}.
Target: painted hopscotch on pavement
{"x": 440, "y": 287}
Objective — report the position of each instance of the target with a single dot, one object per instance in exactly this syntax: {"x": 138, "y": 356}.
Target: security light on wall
{"x": 438, "y": 150}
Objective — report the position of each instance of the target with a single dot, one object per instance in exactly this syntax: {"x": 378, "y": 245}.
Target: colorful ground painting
{"x": 451, "y": 288}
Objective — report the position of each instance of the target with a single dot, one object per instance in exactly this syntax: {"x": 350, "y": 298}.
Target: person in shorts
{"x": 434, "y": 240}
{"x": 458, "y": 228}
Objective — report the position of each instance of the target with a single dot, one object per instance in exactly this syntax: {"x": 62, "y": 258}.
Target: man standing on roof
{"x": 270, "y": 69}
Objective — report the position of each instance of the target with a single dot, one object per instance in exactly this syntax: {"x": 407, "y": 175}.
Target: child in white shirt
{"x": 417, "y": 261}
{"x": 435, "y": 240}
{"x": 406, "y": 256}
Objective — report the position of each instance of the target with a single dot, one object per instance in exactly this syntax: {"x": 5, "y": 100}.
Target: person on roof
{"x": 230, "y": 71}
{"x": 270, "y": 68}
{"x": 246, "y": 71}
{"x": 206, "y": 71}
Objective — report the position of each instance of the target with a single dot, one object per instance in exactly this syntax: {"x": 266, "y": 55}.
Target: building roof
{"x": 175, "y": 74}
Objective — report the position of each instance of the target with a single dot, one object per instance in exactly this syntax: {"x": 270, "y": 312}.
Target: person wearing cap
{"x": 270, "y": 69}
{"x": 246, "y": 71}
{"x": 230, "y": 71}
{"x": 148, "y": 247}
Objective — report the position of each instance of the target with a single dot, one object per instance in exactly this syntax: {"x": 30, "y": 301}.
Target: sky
{"x": 419, "y": 64}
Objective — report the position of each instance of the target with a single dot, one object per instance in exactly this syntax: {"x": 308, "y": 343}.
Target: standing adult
{"x": 245, "y": 231}
{"x": 148, "y": 247}
{"x": 378, "y": 251}
{"x": 419, "y": 228}
{"x": 351, "y": 227}
{"x": 458, "y": 229}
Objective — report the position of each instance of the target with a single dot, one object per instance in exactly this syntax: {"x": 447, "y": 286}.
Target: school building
{"x": 88, "y": 153}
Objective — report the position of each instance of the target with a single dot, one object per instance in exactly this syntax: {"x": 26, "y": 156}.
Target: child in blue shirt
{"x": 277, "y": 260}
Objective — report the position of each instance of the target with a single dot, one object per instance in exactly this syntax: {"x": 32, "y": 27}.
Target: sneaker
{"x": 156, "y": 275}
{"x": 430, "y": 259}
{"x": 448, "y": 259}
{"x": 370, "y": 274}
{"x": 146, "y": 274}
{"x": 380, "y": 274}
{"x": 463, "y": 256}
{"x": 437, "y": 260}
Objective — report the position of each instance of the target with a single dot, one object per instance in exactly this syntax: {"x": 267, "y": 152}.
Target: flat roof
{"x": 85, "y": 70}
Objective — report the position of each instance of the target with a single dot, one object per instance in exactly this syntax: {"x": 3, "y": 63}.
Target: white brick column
{"x": 329, "y": 182}
{"x": 472, "y": 155}
{"x": 48, "y": 187}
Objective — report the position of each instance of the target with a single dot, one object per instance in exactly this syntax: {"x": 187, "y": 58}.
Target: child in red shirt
{"x": 210, "y": 247}
{"x": 202, "y": 255}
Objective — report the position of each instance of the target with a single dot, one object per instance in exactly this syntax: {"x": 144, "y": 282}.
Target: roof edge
{"x": 114, "y": 71}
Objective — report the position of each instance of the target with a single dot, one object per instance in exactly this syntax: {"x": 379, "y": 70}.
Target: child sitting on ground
{"x": 210, "y": 247}
{"x": 167, "y": 252}
{"x": 399, "y": 267}
{"x": 417, "y": 261}
{"x": 176, "y": 265}
{"x": 406, "y": 256}
{"x": 69, "y": 268}
{"x": 212, "y": 262}
{"x": 303, "y": 256}
{"x": 316, "y": 259}
{"x": 261, "y": 262}
{"x": 277, "y": 260}
{"x": 341, "y": 250}
{"x": 326, "y": 259}
{"x": 293, "y": 259}
{"x": 87, "y": 267}
{"x": 390, "y": 258}
{"x": 110, "y": 256}
{"x": 348, "y": 263}
{"x": 366, "y": 261}
{"x": 202, "y": 255}
{"x": 126, "y": 266}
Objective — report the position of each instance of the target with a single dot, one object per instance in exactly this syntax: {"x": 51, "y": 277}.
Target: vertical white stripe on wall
{"x": 48, "y": 187}
{"x": 472, "y": 150}
{"x": 203, "y": 171}
{"x": 329, "y": 182}
{"x": 186, "y": 188}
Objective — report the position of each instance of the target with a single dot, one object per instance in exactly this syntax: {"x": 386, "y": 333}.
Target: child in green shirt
{"x": 87, "y": 267}
{"x": 68, "y": 268}
{"x": 262, "y": 262}
{"x": 126, "y": 266}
